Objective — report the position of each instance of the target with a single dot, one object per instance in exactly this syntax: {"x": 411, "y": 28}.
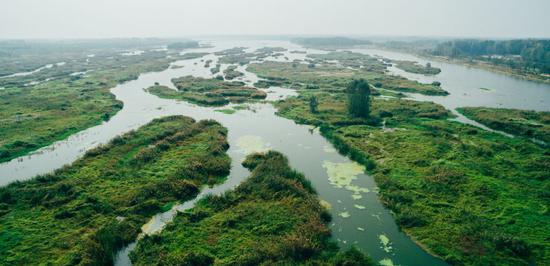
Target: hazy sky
{"x": 180, "y": 18}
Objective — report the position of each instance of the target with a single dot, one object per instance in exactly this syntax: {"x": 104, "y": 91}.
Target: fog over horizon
{"x": 71, "y": 19}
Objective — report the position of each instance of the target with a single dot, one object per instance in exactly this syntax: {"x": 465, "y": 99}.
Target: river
{"x": 359, "y": 218}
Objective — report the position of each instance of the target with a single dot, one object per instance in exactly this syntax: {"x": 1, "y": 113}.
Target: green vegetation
{"x": 329, "y": 76}
{"x": 414, "y": 67}
{"x": 193, "y": 55}
{"x": 528, "y": 124}
{"x": 529, "y": 55}
{"x": 215, "y": 69}
{"x": 523, "y": 58}
{"x": 231, "y": 72}
{"x": 469, "y": 196}
{"x": 358, "y": 98}
{"x": 81, "y": 214}
{"x": 209, "y": 92}
{"x": 235, "y": 55}
{"x": 238, "y": 55}
{"x": 183, "y": 45}
{"x": 228, "y": 111}
{"x": 313, "y": 104}
{"x": 59, "y": 104}
{"x": 329, "y": 42}
{"x": 350, "y": 60}
{"x": 25, "y": 56}
{"x": 272, "y": 218}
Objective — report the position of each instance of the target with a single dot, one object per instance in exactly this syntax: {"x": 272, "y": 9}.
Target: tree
{"x": 358, "y": 98}
{"x": 313, "y": 104}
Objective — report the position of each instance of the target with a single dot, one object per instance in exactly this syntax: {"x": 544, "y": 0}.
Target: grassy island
{"x": 323, "y": 73}
{"x": 414, "y": 67}
{"x": 37, "y": 114}
{"x": 82, "y": 213}
{"x": 330, "y": 42}
{"x": 272, "y": 218}
{"x": 469, "y": 196}
{"x": 208, "y": 92}
{"x": 528, "y": 124}
{"x": 231, "y": 72}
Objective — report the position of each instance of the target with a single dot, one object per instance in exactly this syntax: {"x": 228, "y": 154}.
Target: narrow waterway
{"x": 360, "y": 219}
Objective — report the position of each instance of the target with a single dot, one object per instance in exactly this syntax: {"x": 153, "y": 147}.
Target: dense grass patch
{"x": 209, "y": 92}
{"x": 414, "y": 67}
{"x": 83, "y": 213}
{"x": 274, "y": 217}
{"x": 528, "y": 124}
{"x": 469, "y": 196}
{"x": 333, "y": 71}
{"x": 33, "y": 116}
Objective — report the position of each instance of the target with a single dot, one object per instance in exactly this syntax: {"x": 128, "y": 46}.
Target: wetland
{"x": 179, "y": 163}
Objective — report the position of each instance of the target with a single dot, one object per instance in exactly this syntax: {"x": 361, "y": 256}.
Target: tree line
{"x": 527, "y": 53}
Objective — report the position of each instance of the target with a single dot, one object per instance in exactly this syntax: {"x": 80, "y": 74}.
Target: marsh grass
{"x": 469, "y": 196}
{"x": 208, "y": 92}
{"x": 529, "y": 124}
{"x": 34, "y": 116}
{"x": 274, "y": 217}
{"x": 83, "y": 213}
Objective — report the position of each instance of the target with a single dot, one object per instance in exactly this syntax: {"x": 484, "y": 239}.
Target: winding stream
{"x": 359, "y": 218}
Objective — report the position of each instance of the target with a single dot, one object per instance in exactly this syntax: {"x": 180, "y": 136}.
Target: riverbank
{"x": 475, "y": 64}
{"x": 493, "y": 68}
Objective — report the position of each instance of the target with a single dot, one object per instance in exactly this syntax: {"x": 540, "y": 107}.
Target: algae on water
{"x": 386, "y": 262}
{"x": 325, "y": 204}
{"x": 385, "y": 241}
{"x": 328, "y": 149}
{"x": 344, "y": 214}
{"x": 341, "y": 175}
{"x": 251, "y": 144}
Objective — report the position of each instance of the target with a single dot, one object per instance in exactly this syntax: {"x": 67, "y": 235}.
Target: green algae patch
{"x": 356, "y": 196}
{"x": 360, "y": 207}
{"x": 328, "y": 149}
{"x": 325, "y": 204}
{"x": 344, "y": 214}
{"x": 386, "y": 262}
{"x": 252, "y": 144}
{"x": 341, "y": 175}
{"x": 385, "y": 242}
